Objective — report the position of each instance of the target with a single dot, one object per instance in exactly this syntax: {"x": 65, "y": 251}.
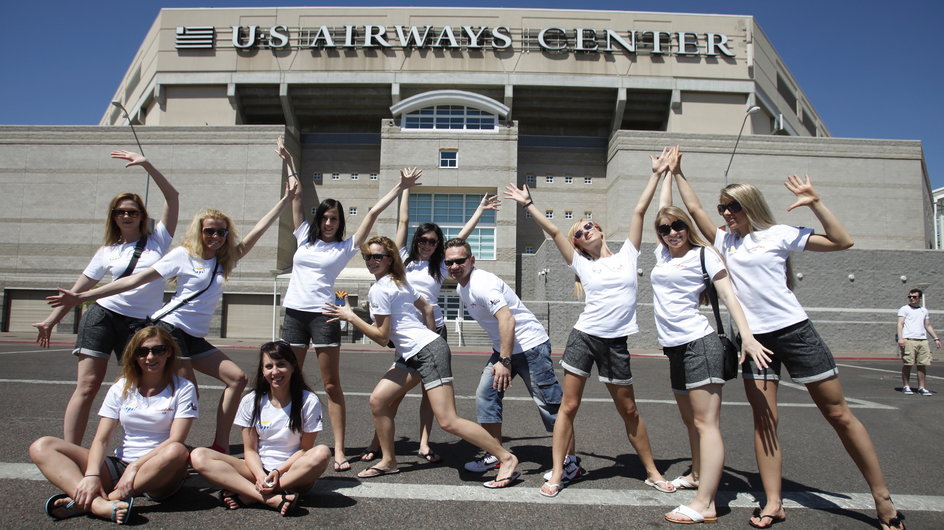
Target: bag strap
{"x": 189, "y": 298}
{"x": 138, "y": 249}
{"x": 712, "y": 294}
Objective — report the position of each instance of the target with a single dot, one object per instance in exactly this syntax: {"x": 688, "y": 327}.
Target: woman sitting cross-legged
{"x": 280, "y": 419}
{"x": 155, "y": 409}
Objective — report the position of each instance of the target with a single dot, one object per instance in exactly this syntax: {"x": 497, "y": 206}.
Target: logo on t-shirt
{"x": 191, "y": 406}
{"x": 265, "y": 425}
{"x": 494, "y": 301}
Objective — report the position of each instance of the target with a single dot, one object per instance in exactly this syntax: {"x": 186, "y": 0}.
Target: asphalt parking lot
{"x": 822, "y": 486}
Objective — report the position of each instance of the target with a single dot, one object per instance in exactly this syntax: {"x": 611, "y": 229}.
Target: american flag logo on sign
{"x": 195, "y": 37}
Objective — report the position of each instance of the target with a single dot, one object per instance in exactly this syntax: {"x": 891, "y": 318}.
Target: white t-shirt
{"x": 610, "y": 287}
{"x": 418, "y": 276}
{"x": 277, "y": 441}
{"x": 193, "y": 274}
{"x": 407, "y": 330}
{"x": 315, "y": 267}
{"x": 757, "y": 265}
{"x": 676, "y": 286}
{"x": 913, "y": 326}
{"x": 146, "y": 421}
{"x": 484, "y": 295}
{"x": 114, "y": 259}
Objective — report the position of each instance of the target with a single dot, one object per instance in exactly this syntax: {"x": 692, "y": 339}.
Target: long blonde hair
{"x": 131, "y": 370}
{"x": 758, "y": 214}
{"x": 578, "y": 287}
{"x": 112, "y": 232}
{"x": 397, "y": 271}
{"x": 694, "y": 238}
{"x": 227, "y": 255}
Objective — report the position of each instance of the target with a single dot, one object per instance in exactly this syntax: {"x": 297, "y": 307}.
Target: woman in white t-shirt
{"x": 155, "y": 409}
{"x": 425, "y": 272}
{"x": 421, "y": 356}
{"x": 210, "y": 251}
{"x": 280, "y": 419}
{"x": 106, "y": 325}
{"x": 608, "y": 281}
{"x": 756, "y": 250}
{"x": 322, "y": 253}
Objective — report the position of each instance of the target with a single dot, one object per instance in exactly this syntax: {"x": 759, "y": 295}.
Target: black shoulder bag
{"x": 150, "y": 321}
{"x": 138, "y": 249}
{"x": 730, "y": 350}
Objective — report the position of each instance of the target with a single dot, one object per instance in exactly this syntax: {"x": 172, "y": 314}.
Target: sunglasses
{"x": 586, "y": 228}
{"x": 425, "y": 241}
{"x": 215, "y": 231}
{"x": 913, "y": 296}
{"x": 678, "y": 225}
{"x": 733, "y": 207}
{"x": 143, "y": 351}
{"x": 459, "y": 261}
{"x": 378, "y": 257}
{"x": 118, "y": 212}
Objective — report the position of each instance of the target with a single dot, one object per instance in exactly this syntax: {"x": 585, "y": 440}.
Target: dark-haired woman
{"x": 280, "y": 418}
{"x": 426, "y": 272}
{"x": 106, "y": 325}
{"x": 155, "y": 409}
{"x": 321, "y": 255}
{"x": 756, "y": 250}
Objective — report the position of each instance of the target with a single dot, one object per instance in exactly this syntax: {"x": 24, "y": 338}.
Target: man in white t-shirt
{"x": 913, "y": 322}
{"x": 520, "y": 346}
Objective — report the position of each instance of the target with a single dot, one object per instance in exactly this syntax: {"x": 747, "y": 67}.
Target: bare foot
{"x": 507, "y": 469}
{"x": 768, "y": 517}
{"x": 888, "y": 515}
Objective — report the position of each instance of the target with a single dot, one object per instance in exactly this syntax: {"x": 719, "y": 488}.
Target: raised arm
{"x": 244, "y": 246}
{"x": 298, "y": 213}
{"x": 487, "y": 203}
{"x": 836, "y": 236}
{"x": 659, "y": 166}
{"x": 44, "y": 328}
{"x": 171, "y": 196}
{"x": 690, "y": 199}
{"x": 523, "y": 198}
{"x": 70, "y": 299}
{"x": 749, "y": 345}
{"x": 403, "y": 219}
{"x": 665, "y": 193}
{"x": 408, "y": 179}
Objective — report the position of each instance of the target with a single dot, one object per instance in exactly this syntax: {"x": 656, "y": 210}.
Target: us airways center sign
{"x": 457, "y": 38}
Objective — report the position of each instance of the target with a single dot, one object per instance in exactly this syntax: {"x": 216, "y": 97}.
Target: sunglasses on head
{"x": 378, "y": 257}
{"x": 458, "y": 261}
{"x": 143, "y": 351}
{"x": 733, "y": 207}
{"x": 215, "y": 231}
{"x": 586, "y": 228}
{"x": 426, "y": 241}
{"x": 119, "y": 212}
{"x": 678, "y": 225}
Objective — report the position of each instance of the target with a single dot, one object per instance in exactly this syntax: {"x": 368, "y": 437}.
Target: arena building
{"x": 569, "y": 102}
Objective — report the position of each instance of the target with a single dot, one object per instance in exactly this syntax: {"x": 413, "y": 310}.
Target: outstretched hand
{"x": 520, "y": 196}
{"x": 804, "y": 191}
{"x": 409, "y": 177}
{"x": 65, "y": 298}
{"x": 339, "y": 312}
{"x": 44, "y": 331}
{"x": 675, "y": 161}
{"x": 490, "y": 203}
{"x": 660, "y": 164}
{"x": 134, "y": 159}
{"x": 281, "y": 150}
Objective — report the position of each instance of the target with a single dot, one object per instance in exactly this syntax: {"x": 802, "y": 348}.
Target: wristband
{"x": 529, "y": 203}
{"x": 293, "y": 174}
{"x": 92, "y": 475}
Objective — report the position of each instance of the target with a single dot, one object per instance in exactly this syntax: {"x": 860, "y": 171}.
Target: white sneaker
{"x": 924, "y": 392}
{"x": 907, "y": 390}
{"x": 483, "y": 464}
{"x": 572, "y": 471}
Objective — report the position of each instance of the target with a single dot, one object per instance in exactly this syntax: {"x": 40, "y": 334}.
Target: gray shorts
{"x": 610, "y": 355}
{"x": 301, "y": 328}
{"x": 798, "y": 347}
{"x": 698, "y": 363}
{"x": 433, "y": 364}
{"x": 190, "y": 347}
{"x": 102, "y": 331}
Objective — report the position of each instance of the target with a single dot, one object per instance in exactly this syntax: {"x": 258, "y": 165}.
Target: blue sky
{"x": 870, "y": 69}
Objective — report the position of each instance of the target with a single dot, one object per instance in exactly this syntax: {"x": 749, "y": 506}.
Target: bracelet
{"x": 92, "y": 475}
{"x": 292, "y": 175}
{"x": 529, "y": 203}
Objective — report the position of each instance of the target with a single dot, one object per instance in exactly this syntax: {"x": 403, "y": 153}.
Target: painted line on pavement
{"x": 929, "y": 376}
{"x": 36, "y": 351}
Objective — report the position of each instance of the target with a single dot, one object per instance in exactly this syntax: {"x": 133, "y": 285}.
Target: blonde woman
{"x": 155, "y": 409}
{"x": 760, "y": 280}
{"x": 210, "y": 250}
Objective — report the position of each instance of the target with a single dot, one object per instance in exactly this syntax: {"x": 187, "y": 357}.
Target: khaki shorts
{"x": 916, "y": 351}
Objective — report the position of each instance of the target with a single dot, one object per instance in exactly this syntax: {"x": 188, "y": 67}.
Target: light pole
{"x": 147, "y": 177}
{"x": 750, "y": 111}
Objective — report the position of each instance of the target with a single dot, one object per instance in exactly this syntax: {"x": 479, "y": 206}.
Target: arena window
{"x": 450, "y": 211}
{"x": 452, "y": 117}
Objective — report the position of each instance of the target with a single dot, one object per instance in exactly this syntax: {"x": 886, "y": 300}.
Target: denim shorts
{"x": 537, "y": 371}
{"x": 696, "y": 364}
{"x": 798, "y": 347}
{"x": 299, "y": 328}
{"x": 433, "y": 364}
{"x": 190, "y": 347}
{"x": 610, "y": 355}
{"x": 102, "y": 331}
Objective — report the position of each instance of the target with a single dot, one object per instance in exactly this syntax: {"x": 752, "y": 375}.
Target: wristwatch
{"x": 506, "y": 361}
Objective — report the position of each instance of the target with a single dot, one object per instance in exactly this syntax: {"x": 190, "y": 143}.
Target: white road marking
{"x": 898, "y": 372}
{"x": 36, "y": 351}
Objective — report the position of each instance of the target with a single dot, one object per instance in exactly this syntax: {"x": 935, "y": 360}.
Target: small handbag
{"x": 138, "y": 325}
{"x": 731, "y": 352}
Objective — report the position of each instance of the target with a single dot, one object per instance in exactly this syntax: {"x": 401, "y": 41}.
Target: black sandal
{"x": 894, "y": 522}
{"x": 369, "y": 455}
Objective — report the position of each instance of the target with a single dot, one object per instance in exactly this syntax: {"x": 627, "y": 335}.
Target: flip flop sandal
{"x": 378, "y": 472}
{"x": 69, "y": 507}
{"x": 502, "y": 482}
{"x": 432, "y": 457}
{"x": 693, "y": 516}
{"x": 664, "y": 486}
{"x": 369, "y": 454}
{"x": 895, "y": 522}
{"x": 226, "y": 496}
{"x": 681, "y": 484}
{"x": 292, "y": 503}
{"x": 340, "y": 467}
{"x": 774, "y": 519}
{"x": 552, "y": 489}
{"x": 128, "y": 514}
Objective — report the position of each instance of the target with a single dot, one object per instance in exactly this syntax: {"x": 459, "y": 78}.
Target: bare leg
{"x": 219, "y": 366}
{"x": 388, "y": 392}
{"x": 162, "y": 473}
{"x": 305, "y": 470}
{"x": 705, "y": 407}
{"x": 90, "y": 372}
{"x": 494, "y": 430}
{"x": 426, "y": 424}
{"x": 563, "y": 439}
{"x": 762, "y": 395}
{"x": 922, "y": 375}
{"x": 625, "y": 401}
{"x": 329, "y": 361}
{"x": 905, "y": 374}
{"x": 685, "y": 411}
{"x": 828, "y": 396}
{"x": 232, "y": 475}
